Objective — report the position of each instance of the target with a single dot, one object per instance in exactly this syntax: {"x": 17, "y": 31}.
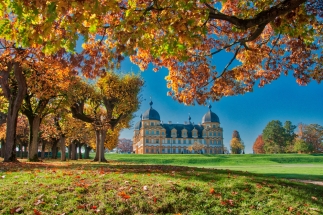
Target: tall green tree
{"x": 274, "y": 137}
{"x": 289, "y": 136}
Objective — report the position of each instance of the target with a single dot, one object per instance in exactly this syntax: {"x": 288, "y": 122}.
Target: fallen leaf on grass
{"x": 16, "y": 210}
{"x": 124, "y": 195}
{"x": 38, "y": 202}
{"x": 212, "y": 191}
{"x": 145, "y": 188}
{"x": 81, "y": 207}
{"x": 314, "y": 198}
{"x": 37, "y": 212}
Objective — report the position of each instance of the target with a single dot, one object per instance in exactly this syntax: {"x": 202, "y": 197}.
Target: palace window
{"x": 214, "y": 133}
{"x": 168, "y": 140}
{"x": 147, "y": 140}
{"x": 162, "y": 133}
{"x": 147, "y": 132}
{"x": 184, "y": 141}
{"x": 157, "y": 132}
{"x": 151, "y": 123}
{"x": 147, "y": 151}
{"x": 210, "y": 133}
{"x": 152, "y": 132}
{"x": 157, "y": 140}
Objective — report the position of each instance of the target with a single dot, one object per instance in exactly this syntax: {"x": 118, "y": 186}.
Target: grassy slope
{"x": 83, "y": 187}
{"x": 280, "y": 165}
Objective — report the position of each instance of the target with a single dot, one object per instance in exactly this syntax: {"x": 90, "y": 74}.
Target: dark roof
{"x": 138, "y": 125}
{"x": 210, "y": 116}
{"x": 180, "y": 127}
{"x": 151, "y": 114}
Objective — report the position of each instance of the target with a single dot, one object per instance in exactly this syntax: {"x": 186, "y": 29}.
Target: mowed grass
{"x": 300, "y": 166}
{"x": 84, "y": 187}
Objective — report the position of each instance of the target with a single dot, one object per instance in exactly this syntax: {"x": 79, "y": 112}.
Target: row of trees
{"x": 63, "y": 109}
{"x": 279, "y": 138}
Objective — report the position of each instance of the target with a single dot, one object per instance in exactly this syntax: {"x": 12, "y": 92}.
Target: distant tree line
{"x": 279, "y": 138}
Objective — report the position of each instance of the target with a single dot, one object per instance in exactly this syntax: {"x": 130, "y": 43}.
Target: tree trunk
{"x": 80, "y": 150}
{"x": 69, "y": 151}
{"x": 2, "y": 148}
{"x": 87, "y": 152}
{"x": 20, "y": 150}
{"x": 15, "y": 98}
{"x": 34, "y": 123}
{"x": 73, "y": 151}
{"x": 63, "y": 148}
{"x": 43, "y": 145}
{"x": 100, "y": 138}
{"x": 54, "y": 149}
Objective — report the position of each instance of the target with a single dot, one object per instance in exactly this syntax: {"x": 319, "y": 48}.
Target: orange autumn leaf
{"x": 37, "y": 212}
{"x": 212, "y": 191}
{"x": 124, "y": 195}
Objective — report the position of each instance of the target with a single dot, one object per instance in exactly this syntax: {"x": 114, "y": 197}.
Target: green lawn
{"x": 280, "y": 165}
{"x": 117, "y": 187}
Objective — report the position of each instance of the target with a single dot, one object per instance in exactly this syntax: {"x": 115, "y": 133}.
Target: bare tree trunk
{"x": 73, "y": 151}
{"x": 87, "y": 152}
{"x": 80, "y": 150}
{"x": 54, "y": 149}
{"x": 15, "y": 98}
{"x": 2, "y": 148}
{"x": 43, "y": 145}
{"x": 63, "y": 148}
{"x": 34, "y": 123}
{"x": 100, "y": 138}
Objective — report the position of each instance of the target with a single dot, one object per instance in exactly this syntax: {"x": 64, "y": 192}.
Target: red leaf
{"x": 212, "y": 191}
{"x": 36, "y": 212}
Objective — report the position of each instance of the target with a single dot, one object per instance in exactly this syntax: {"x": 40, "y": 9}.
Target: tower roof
{"x": 151, "y": 114}
{"x": 210, "y": 116}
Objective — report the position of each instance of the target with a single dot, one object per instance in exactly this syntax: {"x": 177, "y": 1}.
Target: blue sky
{"x": 281, "y": 100}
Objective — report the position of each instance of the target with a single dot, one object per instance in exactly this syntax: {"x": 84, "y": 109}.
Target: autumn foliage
{"x": 265, "y": 39}
{"x": 258, "y": 146}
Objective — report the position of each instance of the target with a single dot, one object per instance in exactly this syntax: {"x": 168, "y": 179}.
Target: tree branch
{"x": 264, "y": 17}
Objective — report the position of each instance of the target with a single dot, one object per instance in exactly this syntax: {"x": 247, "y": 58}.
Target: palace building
{"x": 152, "y": 136}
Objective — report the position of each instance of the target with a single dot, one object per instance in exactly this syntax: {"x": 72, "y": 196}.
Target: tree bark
{"x": 69, "y": 151}
{"x": 73, "y": 151}
{"x": 15, "y": 98}
{"x": 100, "y": 138}
{"x": 43, "y": 145}
{"x": 80, "y": 150}
{"x": 87, "y": 152}
{"x": 2, "y": 148}
{"x": 54, "y": 149}
{"x": 63, "y": 148}
{"x": 34, "y": 123}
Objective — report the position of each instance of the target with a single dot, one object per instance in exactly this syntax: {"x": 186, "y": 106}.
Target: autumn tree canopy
{"x": 266, "y": 38}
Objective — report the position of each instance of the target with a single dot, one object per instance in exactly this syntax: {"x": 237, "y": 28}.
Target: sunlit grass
{"x": 84, "y": 187}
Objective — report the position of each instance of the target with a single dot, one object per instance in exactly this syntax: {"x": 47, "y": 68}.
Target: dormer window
{"x": 194, "y": 133}
{"x": 184, "y": 133}
{"x": 174, "y": 132}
